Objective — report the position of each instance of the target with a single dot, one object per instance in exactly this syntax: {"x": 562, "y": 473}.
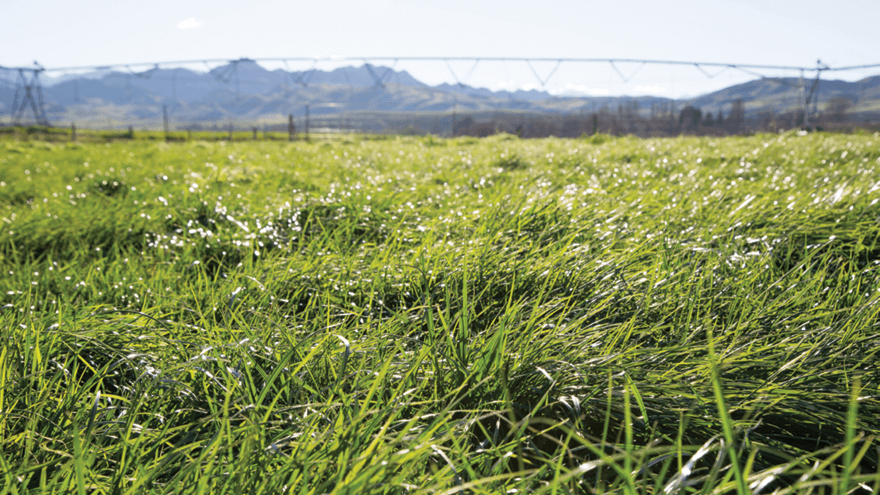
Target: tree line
{"x": 660, "y": 119}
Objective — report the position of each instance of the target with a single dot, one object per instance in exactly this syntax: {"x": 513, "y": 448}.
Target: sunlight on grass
{"x": 420, "y": 315}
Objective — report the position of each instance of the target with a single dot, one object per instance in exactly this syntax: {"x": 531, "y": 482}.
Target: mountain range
{"x": 245, "y": 91}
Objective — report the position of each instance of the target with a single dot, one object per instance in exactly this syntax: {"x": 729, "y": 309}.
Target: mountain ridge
{"x": 245, "y": 90}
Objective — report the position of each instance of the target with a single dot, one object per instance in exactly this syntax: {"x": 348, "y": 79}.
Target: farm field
{"x": 423, "y": 315}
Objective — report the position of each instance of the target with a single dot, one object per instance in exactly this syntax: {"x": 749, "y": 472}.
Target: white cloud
{"x": 580, "y": 90}
{"x": 654, "y": 90}
{"x": 504, "y": 86}
{"x": 189, "y": 23}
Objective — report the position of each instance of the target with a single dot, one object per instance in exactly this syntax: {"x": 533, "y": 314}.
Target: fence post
{"x": 165, "y": 120}
{"x": 72, "y": 131}
{"x": 291, "y": 129}
{"x": 307, "y": 123}
{"x": 230, "y": 130}
{"x": 452, "y": 132}
{"x": 130, "y": 132}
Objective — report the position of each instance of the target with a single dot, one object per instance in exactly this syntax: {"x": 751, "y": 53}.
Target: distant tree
{"x": 736, "y": 121}
{"x": 481, "y": 129}
{"x": 708, "y": 120}
{"x": 767, "y": 120}
{"x": 605, "y": 121}
{"x": 462, "y": 126}
{"x": 836, "y": 108}
{"x": 689, "y": 119}
{"x": 628, "y": 115}
{"x": 573, "y": 127}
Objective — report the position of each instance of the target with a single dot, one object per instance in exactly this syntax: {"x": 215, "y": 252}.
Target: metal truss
{"x": 33, "y": 95}
{"x": 226, "y": 71}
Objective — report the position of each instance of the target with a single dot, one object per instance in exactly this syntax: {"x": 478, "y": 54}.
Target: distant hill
{"x": 244, "y": 90}
{"x": 243, "y": 77}
{"x": 780, "y": 95}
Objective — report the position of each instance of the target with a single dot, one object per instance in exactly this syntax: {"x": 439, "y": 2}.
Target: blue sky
{"x": 59, "y": 34}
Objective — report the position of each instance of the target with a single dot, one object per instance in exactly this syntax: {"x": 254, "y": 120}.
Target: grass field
{"x": 421, "y": 315}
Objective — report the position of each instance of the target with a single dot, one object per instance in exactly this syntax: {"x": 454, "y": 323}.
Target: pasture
{"x": 424, "y": 315}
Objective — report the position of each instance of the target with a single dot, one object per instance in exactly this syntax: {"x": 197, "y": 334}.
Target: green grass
{"x": 421, "y": 315}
